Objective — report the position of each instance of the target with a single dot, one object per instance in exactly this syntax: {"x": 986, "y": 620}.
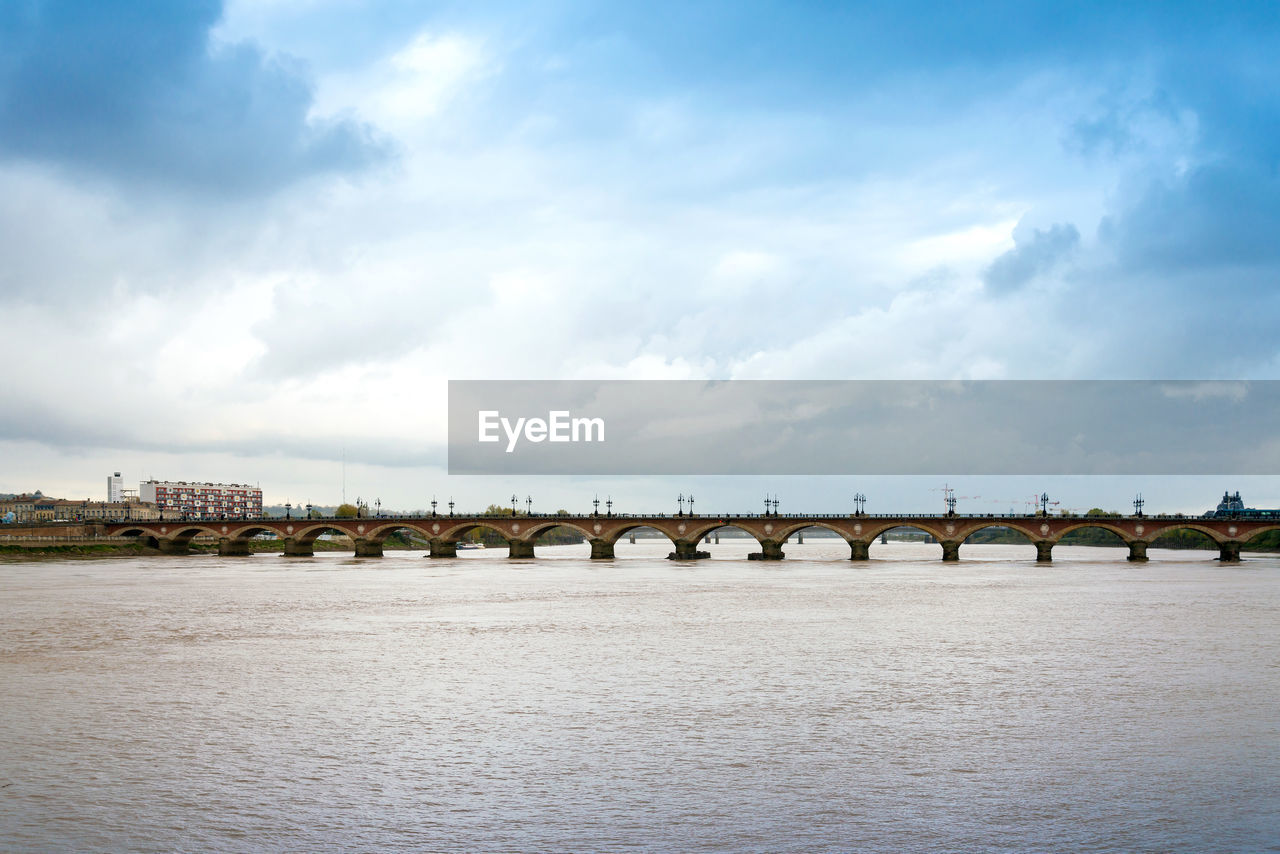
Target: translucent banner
{"x": 634, "y": 427}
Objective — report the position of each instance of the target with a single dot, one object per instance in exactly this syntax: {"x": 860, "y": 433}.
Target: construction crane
{"x": 950, "y": 498}
{"x": 1042, "y": 501}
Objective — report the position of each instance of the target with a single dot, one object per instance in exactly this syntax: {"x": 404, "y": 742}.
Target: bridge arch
{"x": 1121, "y": 535}
{"x": 147, "y": 538}
{"x": 1024, "y": 535}
{"x": 182, "y": 536}
{"x": 535, "y": 528}
{"x": 704, "y": 531}
{"x": 1215, "y": 538}
{"x": 1257, "y": 532}
{"x": 309, "y": 533}
{"x": 245, "y": 533}
{"x": 517, "y": 546}
{"x": 875, "y": 532}
{"x": 381, "y": 533}
{"x": 619, "y": 532}
{"x": 786, "y": 532}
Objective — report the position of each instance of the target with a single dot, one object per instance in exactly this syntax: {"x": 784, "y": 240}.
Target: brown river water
{"x": 564, "y": 704}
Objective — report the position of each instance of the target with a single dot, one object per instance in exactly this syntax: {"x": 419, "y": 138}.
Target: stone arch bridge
{"x": 444, "y": 533}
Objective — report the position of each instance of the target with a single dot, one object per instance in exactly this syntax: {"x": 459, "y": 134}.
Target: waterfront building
{"x": 180, "y": 499}
{"x": 39, "y": 508}
{"x": 103, "y": 511}
{"x": 115, "y": 488}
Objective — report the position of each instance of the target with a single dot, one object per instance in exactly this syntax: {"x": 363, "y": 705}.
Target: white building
{"x": 202, "y": 500}
{"x": 115, "y": 489}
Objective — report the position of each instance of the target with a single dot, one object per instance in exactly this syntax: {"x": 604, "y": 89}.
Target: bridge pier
{"x": 1229, "y": 551}
{"x": 297, "y": 548}
{"x": 520, "y": 548}
{"x": 1138, "y": 550}
{"x": 1044, "y": 551}
{"x": 687, "y": 550}
{"x": 442, "y": 548}
{"x": 770, "y": 550}
{"x": 602, "y": 550}
{"x": 228, "y": 547}
{"x": 860, "y": 550}
{"x": 950, "y": 550}
{"x": 173, "y": 547}
{"x": 368, "y": 548}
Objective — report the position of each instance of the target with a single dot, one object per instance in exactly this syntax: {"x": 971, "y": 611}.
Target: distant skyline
{"x": 243, "y": 238}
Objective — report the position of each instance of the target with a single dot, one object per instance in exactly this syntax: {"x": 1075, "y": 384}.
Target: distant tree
{"x": 345, "y": 511}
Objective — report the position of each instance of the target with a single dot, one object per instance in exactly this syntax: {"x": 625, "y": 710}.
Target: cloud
{"x": 1224, "y": 215}
{"x": 1031, "y": 256}
{"x": 136, "y": 91}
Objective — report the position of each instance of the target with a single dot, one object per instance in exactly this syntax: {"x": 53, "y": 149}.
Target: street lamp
{"x": 767, "y": 502}
{"x": 609, "y": 504}
{"x": 308, "y": 509}
{"x": 514, "y": 499}
{"x": 595, "y": 503}
{"x": 690, "y": 503}
{"x": 680, "y": 501}
{"x": 528, "y": 504}
{"x": 433, "y": 505}
{"x": 1044, "y": 504}
{"x": 1138, "y": 505}
{"x": 450, "y": 506}
{"x": 378, "y": 507}
{"x": 287, "y": 507}
{"x": 776, "y": 502}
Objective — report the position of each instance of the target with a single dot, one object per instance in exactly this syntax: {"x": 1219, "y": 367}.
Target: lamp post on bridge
{"x": 308, "y": 509}
{"x": 860, "y": 503}
{"x": 378, "y": 508}
{"x": 450, "y": 505}
{"x": 1044, "y": 504}
{"x": 433, "y": 505}
{"x": 776, "y": 502}
{"x": 680, "y": 501}
{"x": 609, "y": 505}
{"x": 1138, "y": 504}
{"x": 690, "y": 503}
{"x": 595, "y": 503}
{"x": 287, "y": 508}
{"x": 514, "y": 499}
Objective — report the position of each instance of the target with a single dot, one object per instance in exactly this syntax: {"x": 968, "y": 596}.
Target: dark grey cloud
{"x": 1031, "y": 256}
{"x": 1216, "y": 215}
{"x": 135, "y": 91}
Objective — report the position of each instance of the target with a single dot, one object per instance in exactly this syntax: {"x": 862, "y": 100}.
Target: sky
{"x": 252, "y": 240}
